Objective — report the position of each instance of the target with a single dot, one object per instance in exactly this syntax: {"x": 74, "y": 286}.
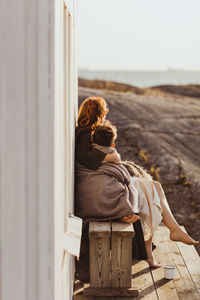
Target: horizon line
{"x": 139, "y": 70}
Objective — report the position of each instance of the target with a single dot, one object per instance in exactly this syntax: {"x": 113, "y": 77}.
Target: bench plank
{"x": 123, "y": 229}
{"x": 100, "y": 254}
{"x": 121, "y": 262}
{"x": 100, "y": 229}
{"x": 121, "y": 245}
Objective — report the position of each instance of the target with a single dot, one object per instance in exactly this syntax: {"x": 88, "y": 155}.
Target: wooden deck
{"x": 151, "y": 283}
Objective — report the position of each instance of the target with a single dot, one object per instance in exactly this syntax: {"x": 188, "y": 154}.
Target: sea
{"x": 145, "y": 78}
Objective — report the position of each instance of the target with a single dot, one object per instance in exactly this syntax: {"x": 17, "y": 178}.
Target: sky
{"x": 138, "y": 34}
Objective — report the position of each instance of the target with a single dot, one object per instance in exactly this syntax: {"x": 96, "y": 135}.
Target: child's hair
{"x": 105, "y": 135}
{"x": 135, "y": 170}
{"x": 91, "y": 112}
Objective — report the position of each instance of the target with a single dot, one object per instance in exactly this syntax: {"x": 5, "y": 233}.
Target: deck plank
{"x": 183, "y": 282}
{"x": 143, "y": 280}
{"x": 192, "y": 261}
{"x": 164, "y": 288}
{"x": 185, "y": 287}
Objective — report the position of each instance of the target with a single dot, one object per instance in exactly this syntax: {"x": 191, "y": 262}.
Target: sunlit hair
{"x": 105, "y": 135}
{"x": 136, "y": 170}
{"x": 91, "y": 112}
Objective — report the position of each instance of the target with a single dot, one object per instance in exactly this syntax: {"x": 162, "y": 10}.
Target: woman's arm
{"x": 89, "y": 156}
{"x": 112, "y": 157}
{"x": 85, "y": 153}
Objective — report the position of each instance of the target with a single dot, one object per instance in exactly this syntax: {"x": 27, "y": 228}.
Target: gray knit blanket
{"x": 105, "y": 193}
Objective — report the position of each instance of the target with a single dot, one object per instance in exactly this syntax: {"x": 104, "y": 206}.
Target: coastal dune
{"x": 160, "y": 130}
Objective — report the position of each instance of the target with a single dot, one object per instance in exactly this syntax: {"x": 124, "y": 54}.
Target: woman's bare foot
{"x": 152, "y": 261}
{"x": 181, "y": 236}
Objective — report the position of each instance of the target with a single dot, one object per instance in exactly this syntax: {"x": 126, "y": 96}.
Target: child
{"x": 106, "y": 135}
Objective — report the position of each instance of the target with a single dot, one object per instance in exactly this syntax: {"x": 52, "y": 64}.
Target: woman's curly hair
{"x": 91, "y": 112}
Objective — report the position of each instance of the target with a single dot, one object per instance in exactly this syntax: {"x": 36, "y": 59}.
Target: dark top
{"x": 85, "y": 153}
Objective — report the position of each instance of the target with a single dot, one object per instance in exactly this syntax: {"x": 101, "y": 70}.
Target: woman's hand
{"x": 131, "y": 218}
{"x": 113, "y": 157}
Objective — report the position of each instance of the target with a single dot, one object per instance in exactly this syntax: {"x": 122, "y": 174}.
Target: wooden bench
{"x": 110, "y": 259}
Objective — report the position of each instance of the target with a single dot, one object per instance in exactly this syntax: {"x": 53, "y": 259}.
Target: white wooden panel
{"x": 45, "y": 175}
{"x": 58, "y": 192}
{"x": 32, "y": 147}
{"x": 32, "y": 262}
{"x": 65, "y": 113}
{"x": 72, "y": 238}
{"x": 27, "y": 161}
{"x": 70, "y": 84}
{"x": 64, "y": 150}
{"x": 13, "y": 153}
{"x": 70, "y": 117}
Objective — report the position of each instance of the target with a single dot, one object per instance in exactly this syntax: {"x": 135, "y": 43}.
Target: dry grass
{"x": 143, "y": 156}
{"x": 155, "y": 173}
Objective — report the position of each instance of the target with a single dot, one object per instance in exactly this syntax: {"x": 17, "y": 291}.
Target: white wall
{"x": 65, "y": 113}
{"x": 32, "y": 139}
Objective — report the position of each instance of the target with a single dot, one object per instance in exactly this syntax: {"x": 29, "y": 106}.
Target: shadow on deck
{"x": 151, "y": 283}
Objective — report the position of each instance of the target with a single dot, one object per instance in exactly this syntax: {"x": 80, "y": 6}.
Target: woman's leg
{"x": 176, "y": 233}
{"x": 151, "y": 259}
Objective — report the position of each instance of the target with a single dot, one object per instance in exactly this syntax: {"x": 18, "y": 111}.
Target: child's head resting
{"x": 105, "y": 135}
{"x": 92, "y": 112}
